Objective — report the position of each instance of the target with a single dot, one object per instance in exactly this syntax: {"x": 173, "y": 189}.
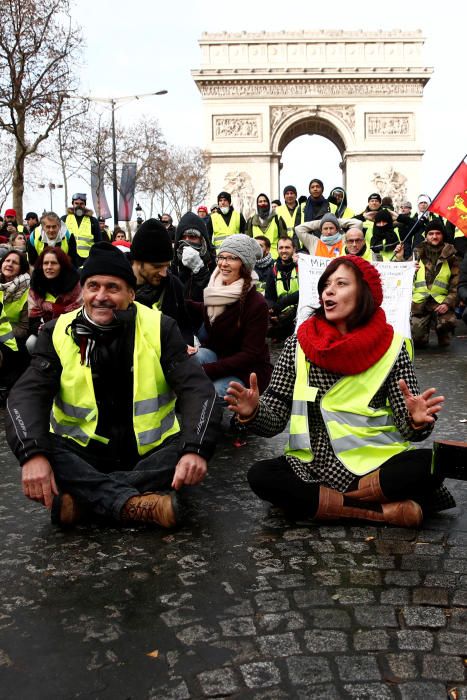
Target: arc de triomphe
{"x": 361, "y": 90}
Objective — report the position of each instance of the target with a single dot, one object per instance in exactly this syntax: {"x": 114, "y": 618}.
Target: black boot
{"x": 449, "y": 459}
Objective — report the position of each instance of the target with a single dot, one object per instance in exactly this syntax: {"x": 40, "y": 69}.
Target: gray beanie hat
{"x": 244, "y": 247}
{"x": 331, "y": 219}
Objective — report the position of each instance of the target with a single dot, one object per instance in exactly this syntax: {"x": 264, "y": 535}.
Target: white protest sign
{"x": 397, "y": 279}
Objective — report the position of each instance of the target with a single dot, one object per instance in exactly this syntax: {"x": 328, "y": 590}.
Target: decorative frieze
{"x": 285, "y": 89}
{"x": 383, "y": 125}
{"x": 236, "y": 126}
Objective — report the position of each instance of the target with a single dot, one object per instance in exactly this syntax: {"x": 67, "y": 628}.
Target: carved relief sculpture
{"x": 382, "y": 125}
{"x": 391, "y": 184}
{"x": 241, "y": 188}
{"x": 231, "y": 127}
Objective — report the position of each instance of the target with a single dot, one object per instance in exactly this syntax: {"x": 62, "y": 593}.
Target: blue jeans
{"x": 105, "y": 493}
{"x": 205, "y": 355}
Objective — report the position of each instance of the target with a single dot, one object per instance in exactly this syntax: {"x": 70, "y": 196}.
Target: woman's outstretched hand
{"x": 243, "y": 400}
{"x": 423, "y": 407}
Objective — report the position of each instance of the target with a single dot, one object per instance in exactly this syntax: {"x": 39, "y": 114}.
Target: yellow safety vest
{"x": 362, "y": 438}
{"x": 74, "y": 412}
{"x": 13, "y": 309}
{"x": 39, "y": 244}
{"x": 82, "y": 233}
{"x": 280, "y": 289}
{"x": 221, "y": 230}
{"x": 6, "y": 331}
{"x": 290, "y": 219}
{"x": 271, "y": 233}
{"x": 439, "y": 289}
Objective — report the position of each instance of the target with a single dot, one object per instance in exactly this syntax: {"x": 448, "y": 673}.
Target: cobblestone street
{"x": 238, "y": 602}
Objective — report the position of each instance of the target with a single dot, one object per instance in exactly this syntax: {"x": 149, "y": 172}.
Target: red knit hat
{"x": 371, "y": 276}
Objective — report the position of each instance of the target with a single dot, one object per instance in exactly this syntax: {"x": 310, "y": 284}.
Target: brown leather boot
{"x": 65, "y": 511}
{"x": 369, "y": 489}
{"x": 158, "y": 508}
{"x": 401, "y": 513}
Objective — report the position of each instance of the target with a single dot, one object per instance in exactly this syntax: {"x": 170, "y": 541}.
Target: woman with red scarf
{"x": 347, "y": 384}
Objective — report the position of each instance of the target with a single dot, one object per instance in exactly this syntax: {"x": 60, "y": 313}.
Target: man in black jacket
{"x": 108, "y": 375}
{"x": 158, "y": 288}
{"x": 282, "y": 291}
{"x": 195, "y": 257}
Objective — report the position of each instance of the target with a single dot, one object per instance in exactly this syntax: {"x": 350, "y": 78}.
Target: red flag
{"x": 451, "y": 200}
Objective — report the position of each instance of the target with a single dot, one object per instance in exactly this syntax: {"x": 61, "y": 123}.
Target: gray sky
{"x": 141, "y": 47}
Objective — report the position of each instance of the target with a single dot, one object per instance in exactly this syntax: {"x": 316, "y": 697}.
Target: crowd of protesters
{"x": 191, "y": 308}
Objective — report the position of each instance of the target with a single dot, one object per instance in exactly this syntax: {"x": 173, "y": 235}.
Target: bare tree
{"x": 38, "y": 46}
{"x": 6, "y": 171}
{"x": 186, "y": 178}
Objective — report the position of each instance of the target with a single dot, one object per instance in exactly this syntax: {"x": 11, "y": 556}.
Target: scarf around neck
{"x": 218, "y": 296}
{"x": 15, "y": 288}
{"x": 351, "y": 353}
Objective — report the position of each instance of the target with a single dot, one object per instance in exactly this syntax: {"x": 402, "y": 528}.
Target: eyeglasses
{"x": 226, "y": 259}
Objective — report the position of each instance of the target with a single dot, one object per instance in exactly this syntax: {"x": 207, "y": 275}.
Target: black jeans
{"x": 104, "y": 493}
{"x": 407, "y": 475}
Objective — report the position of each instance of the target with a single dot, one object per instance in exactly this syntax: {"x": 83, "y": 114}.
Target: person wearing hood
{"x": 52, "y": 233}
{"x": 338, "y": 196}
{"x": 316, "y": 205}
{"x": 329, "y": 242}
{"x": 385, "y": 236}
{"x": 157, "y": 287}
{"x": 83, "y": 225}
{"x": 266, "y": 223}
{"x": 224, "y": 222}
{"x": 435, "y": 287}
{"x": 233, "y": 318}
{"x": 194, "y": 257}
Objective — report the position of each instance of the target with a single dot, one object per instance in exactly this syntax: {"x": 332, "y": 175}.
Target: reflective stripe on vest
{"x": 290, "y": 220}
{"x": 39, "y": 244}
{"x": 82, "y": 233}
{"x": 6, "y": 331}
{"x": 75, "y": 413}
{"x": 221, "y": 230}
{"x": 335, "y": 251}
{"x": 13, "y": 309}
{"x": 439, "y": 289}
{"x": 361, "y": 437}
{"x": 271, "y": 233}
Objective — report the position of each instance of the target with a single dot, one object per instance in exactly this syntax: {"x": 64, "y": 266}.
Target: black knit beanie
{"x": 290, "y": 188}
{"x": 383, "y": 215}
{"x": 191, "y": 221}
{"x": 152, "y": 243}
{"x": 105, "y": 259}
{"x": 226, "y": 195}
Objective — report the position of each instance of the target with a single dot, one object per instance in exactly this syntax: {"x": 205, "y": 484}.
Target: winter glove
{"x": 192, "y": 259}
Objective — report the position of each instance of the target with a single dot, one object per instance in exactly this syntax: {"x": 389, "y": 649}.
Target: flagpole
{"x": 442, "y": 188}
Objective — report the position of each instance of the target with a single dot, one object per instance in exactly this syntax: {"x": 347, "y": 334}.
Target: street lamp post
{"x": 51, "y": 186}
{"x": 115, "y": 103}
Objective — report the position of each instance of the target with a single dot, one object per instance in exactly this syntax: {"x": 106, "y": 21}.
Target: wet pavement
{"x": 239, "y": 602}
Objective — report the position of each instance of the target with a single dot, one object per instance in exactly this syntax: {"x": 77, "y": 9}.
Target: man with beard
{"x": 435, "y": 287}
{"x": 108, "y": 375}
{"x": 266, "y": 223}
{"x": 194, "y": 259}
{"x": 282, "y": 292}
{"x": 83, "y": 225}
{"x": 290, "y": 213}
{"x": 224, "y": 222}
{"x": 158, "y": 288}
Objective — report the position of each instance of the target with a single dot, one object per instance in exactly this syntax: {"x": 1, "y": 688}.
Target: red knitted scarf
{"x": 351, "y": 353}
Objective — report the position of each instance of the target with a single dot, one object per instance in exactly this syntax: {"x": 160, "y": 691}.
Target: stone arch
{"x": 361, "y": 90}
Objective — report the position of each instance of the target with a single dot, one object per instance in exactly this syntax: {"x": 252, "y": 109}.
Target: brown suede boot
{"x": 65, "y": 511}
{"x": 160, "y": 509}
{"x": 402, "y": 513}
{"x": 369, "y": 489}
